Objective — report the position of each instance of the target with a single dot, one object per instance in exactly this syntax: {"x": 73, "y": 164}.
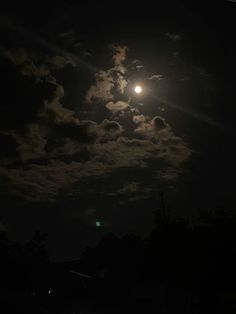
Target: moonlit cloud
{"x": 56, "y": 148}
{"x": 106, "y": 80}
{"x": 155, "y": 77}
{"x": 119, "y": 57}
{"x": 102, "y": 88}
{"x": 117, "y": 106}
{"x": 139, "y": 119}
{"x": 121, "y": 83}
{"x": 139, "y": 67}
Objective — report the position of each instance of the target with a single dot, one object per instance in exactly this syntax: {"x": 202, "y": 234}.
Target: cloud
{"x": 113, "y": 78}
{"x": 131, "y": 191}
{"x": 171, "y": 148}
{"x": 125, "y": 152}
{"x": 16, "y": 56}
{"x": 119, "y": 57}
{"x": 159, "y": 123}
{"x": 41, "y": 118}
{"x": 43, "y": 182}
{"x": 59, "y": 62}
{"x": 139, "y": 119}
{"x": 102, "y": 89}
{"x": 175, "y": 54}
{"x": 117, "y": 106}
{"x": 121, "y": 83}
{"x": 37, "y": 66}
{"x": 67, "y": 148}
{"x": 74, "y": 140}
{"x": 149, "y": 128}
{"x": 155, "y": 77}
{"x": 26, "y": 63}
{"x": 174, "y": 37}
{"x": 145, "y": 126}
{"x": 133, "y": 188}
{"x": 169, "y": 174}
{"x": 31, "y": 145}
{"x": 136, "y": 61}
{"x": 145, "y": 129}
{"x": 139, "y": 67}
{"x": 56, "y": 147}
{"x": 36, "y": 88}
{"x": 86, "y": 53}
{"x": 69, "y": 35}
{"x": 109, "y": 130}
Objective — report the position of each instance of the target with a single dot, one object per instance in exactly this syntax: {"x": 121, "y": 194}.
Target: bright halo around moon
{"x": 138, "y": 89}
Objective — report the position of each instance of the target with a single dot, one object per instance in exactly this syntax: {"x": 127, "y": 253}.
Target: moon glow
{"x": 138, "y": 89}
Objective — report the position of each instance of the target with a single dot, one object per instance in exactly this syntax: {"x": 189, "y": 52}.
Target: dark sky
{"x": 79, "y": 147}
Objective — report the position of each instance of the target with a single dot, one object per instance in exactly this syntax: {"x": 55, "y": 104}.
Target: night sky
{"x": 82, "y": 154}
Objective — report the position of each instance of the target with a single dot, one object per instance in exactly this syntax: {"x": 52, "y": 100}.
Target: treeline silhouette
{"x": 18, "y": 262}
{"x": 199, "y": 259}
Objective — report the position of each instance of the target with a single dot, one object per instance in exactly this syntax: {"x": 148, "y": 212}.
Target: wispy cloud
{"x": 174, "y": 37}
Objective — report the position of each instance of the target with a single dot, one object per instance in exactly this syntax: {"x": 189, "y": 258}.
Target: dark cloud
{"x": 174, "y": 37}
{"x": 57, "y": 147}
{"x": 109, "y": 129}
{"x": 44, "y": 182}
{"x": 133, "y": 188}
{"x": 159, "y": 123}
{"x": 31, "y": 144}
{"x": 23, "y": 107}
{"x": 59, "y": 62}
{"x": 171, "y": 148}
{"x": 25, "y": 62}
{"x": 169, "y": 174}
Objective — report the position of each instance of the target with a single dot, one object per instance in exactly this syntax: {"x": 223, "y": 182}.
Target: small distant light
{"x": 50, "y": 291}
{"x": 98, "y": 224}
{"x": 138, "y": 89}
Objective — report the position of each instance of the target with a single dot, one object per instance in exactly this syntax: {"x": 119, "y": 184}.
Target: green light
{"x": 98, "y": 224}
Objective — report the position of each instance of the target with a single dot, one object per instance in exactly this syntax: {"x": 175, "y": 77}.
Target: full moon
{"x": 138, "y": 89}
